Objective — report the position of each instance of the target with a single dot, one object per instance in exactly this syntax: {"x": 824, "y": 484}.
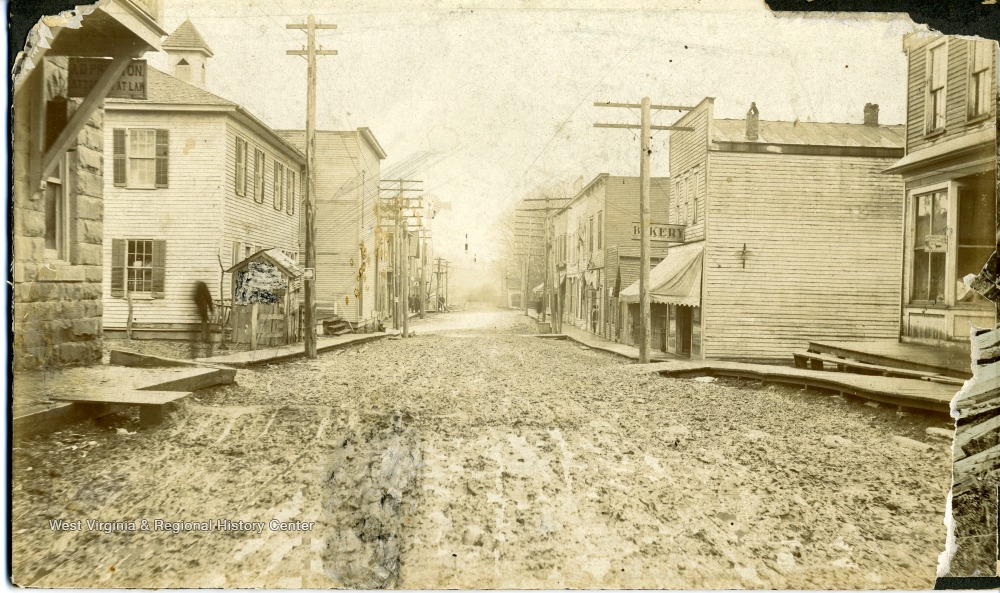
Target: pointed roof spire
{"x": 186, "y": 36}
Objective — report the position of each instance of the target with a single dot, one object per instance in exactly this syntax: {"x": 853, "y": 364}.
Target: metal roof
{"x": 801, "y": 133}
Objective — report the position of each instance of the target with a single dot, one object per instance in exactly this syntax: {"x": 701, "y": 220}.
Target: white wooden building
{"x": 350, "y": 283}
{"x": 595, "y": 246}
{"x": 950, "y": 176}
{"x": 195, "y": 184}
{"x": 792, "y": 234}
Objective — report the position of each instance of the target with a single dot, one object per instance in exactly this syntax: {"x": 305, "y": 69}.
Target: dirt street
{"x": 476, "y": 456}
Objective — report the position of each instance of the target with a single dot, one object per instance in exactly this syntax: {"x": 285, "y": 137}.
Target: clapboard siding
{"x": 347, "y": 184}
{"x": 371, "y": 175}
{"x": 188, "y": 214}
{"x": 824, "y": 252}
{"x": 247, "y": 221}
{"x": 956, "y": 91}
{"x": 621, "y": 209}
{"x": 687, "y": 157}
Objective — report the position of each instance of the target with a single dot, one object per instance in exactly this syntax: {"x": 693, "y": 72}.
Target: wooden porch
{"x": 949, "y": 360}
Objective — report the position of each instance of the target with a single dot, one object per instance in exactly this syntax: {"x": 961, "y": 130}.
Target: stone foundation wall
{"x": 57, "y": 304}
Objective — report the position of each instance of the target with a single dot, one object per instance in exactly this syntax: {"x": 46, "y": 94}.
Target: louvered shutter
{"x": 118, "y": 267}
{"x": 159, "y": 268}
{"x": 162, "y": 157}
{"x": 118, "y": 143}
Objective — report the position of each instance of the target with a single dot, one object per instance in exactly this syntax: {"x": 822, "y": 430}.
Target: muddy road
{"x": 475, "y": 456}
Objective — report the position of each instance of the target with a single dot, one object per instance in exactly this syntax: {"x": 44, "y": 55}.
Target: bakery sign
{"x": 664, "y": 233}
{"x": 85, "y": 72}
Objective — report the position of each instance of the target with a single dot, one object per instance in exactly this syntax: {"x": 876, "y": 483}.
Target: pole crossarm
{"x": 639, "y": 106}
{"x": 315, "y": 52}
{"x": 635, "y": 127}
{"x": 308, "y": 26}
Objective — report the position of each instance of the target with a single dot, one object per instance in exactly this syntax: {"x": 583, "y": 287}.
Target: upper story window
{"x": 279, "y": 186}
{"x": 937, "y": 77}
{"x": 980, "y": 81}
{"x": 600, "y": 229}
{"x": 241, "y": 166}
{"x": 140, "y": 157}
{"x": 290, "y": 190}
{"x": 258, "y": 176}
{"x": 590, "y": 236}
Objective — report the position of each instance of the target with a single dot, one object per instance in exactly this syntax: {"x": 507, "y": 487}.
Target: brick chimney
{"x": 871, "y": 114}
{"x": 752, "y": 122}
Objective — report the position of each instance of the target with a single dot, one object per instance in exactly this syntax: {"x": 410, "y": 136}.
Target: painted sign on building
{"x": 85, "y": 72}
{"x": 664, "y": 233}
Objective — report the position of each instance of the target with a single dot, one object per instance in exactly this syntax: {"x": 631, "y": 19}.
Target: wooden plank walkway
{"x": 46, "y": 401}
{"x": 950, "y": 360}
{"x": 273, "y": 354}
{"x": 912, "y": 393}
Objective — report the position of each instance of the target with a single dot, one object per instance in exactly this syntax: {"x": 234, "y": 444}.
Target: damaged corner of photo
{"x": 971, "y": 514}
{"x": 502, "y": 298}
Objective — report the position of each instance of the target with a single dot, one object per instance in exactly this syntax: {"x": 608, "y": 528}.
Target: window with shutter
{"x": 118, "y": 143}
{"x": 159, "y": 269}
{"x": 279, "y": 175}
{"x": 118, "y": 267}
{"x": 241, "y": 166}
{"x": 162, "y": 156}
{"x": 258, "y": 174}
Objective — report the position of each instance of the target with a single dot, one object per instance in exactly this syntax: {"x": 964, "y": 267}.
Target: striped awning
{"x": 676, "y": 280}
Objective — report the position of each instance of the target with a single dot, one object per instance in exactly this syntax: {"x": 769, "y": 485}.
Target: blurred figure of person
{"x": 203, "y": 301}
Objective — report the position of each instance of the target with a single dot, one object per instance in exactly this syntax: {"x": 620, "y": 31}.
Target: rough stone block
{"x": 71, "y": 353}
{"x": 88, "y": 254}
{"x": 92, "y": 308}
{"x": 29, "y": 248}
{"x": 97, "y": 119}
{"x": 86, "y": 328}
{"x": 93, "y": 273}
{"x": 90, "y": 159}
{"x": 89, "y": 208}
{"x": 89, "y": 183}
{"x": 29, "y": 223}
{"x": 91, "y": 137}
{"x": 89, "y": 291}
{"x": 89, "y": 231}
{"x": 72, "y": 310}
{"x": 60, "y": 273}
{"x": 27, "y": 335}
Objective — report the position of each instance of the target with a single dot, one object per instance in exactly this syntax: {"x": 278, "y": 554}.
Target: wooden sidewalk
{"x": 282, "y": 353}
{"x": 911, "y": 393}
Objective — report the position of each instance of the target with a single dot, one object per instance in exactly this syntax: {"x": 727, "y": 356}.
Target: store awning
{"x": 676, "y": 280}
{"x": 538, "y": 289}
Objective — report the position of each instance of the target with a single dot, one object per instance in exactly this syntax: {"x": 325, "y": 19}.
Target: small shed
{"x": 266, "y": 296}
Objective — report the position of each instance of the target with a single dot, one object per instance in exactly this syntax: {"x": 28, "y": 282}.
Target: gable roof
{"x": 164, "y": 89}
{"x": 166, "y": 92}
{"x": 810, "y": 134}
{"x": 186, "y": 36}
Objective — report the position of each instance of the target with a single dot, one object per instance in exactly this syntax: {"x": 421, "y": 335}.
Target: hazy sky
{"x": 499, "y": 100}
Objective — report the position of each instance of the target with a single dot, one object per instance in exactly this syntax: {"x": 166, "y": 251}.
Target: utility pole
{"x": 645, "y": 127}
{"x": 437, "y": 291}
{"x": 447, "y": 276}
{"x": 401, "y": 239}
{"x": 310, "y": 210}
{"x": 423, "y": 274}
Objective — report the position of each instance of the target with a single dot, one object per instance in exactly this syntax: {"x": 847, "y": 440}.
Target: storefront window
{"x": 930, "y": 247}
{"x": 976, "y": 237}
